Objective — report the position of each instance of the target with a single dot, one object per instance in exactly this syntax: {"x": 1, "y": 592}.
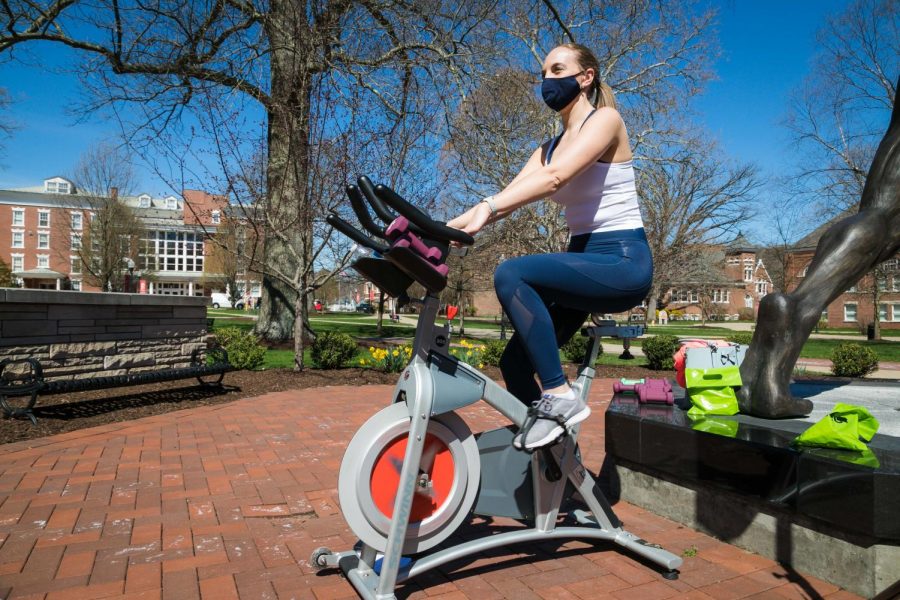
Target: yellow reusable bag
{"x": 711, "y": 391}
{"x": 846, "y": 427}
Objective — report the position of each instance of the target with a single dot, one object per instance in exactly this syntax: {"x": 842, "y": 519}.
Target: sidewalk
{"x": 229, "y": 501}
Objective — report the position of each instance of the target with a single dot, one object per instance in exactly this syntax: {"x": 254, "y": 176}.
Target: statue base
{"x": 738, "y": 479}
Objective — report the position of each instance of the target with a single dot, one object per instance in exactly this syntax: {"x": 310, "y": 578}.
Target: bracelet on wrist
{"x": 490, "y": 202}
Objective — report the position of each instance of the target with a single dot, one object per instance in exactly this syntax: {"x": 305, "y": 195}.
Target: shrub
{"x": 659, "y": 350}
{"x": 746, "y": 314}
{"x": 576, "y": 349}
{"x": 853, "y": 360}
{"x": 390, "y": 360}
{"x": 243, "y": 348}
{"x": 741, "y": 337}
{"x": 493, "y": 350}
{"x": 331, "y": 349}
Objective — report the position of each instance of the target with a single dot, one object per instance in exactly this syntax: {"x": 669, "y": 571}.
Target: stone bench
{"x": 62, "y": 341}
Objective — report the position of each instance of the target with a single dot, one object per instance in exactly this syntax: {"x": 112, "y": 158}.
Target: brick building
{"x": 744, "y": 281}
{"x": 855, "y": 307}
{"x": 42, "y": 227}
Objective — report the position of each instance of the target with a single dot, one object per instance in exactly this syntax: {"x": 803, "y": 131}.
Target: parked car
{"x": 341, "y": 307}
{"x": 365, "y": 307}
{"x": 221, "y": 300}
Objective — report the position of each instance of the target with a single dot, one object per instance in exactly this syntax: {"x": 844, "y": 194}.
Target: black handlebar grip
{"x": 362, "y": 213}
{"x": 433, "y": 228}
{"x": 354, "y": 234}
{"x": 365, "y": 185}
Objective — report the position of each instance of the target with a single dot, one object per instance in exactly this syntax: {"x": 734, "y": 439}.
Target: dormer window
{"x": 144, "y": 200}
{"x": 216, "y": 217}
{"x": 172, "y": 203}
{"x": 57, "y": 185}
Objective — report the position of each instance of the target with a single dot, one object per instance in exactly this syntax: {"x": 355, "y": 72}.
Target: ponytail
{"x": 601, "y": 92}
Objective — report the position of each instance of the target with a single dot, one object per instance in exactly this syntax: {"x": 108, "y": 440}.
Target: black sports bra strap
{"x": 555, "y": 140}
{"x": 591, "y": 114}
{"x": 552, "y": 147}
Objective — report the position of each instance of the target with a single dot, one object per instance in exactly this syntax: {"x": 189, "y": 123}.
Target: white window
{"x": 850, "y": 311}
{"x": 18, "y": 219}
{"x": 882, "y": 284}
{"x": 734, "y": 260}
{"x": 18, "y": 262}
{"x": 18, "y": 239}
{"x": 852, "y": 289}
{"x": 57, "y": 187}
{"x": 172, "y": 203}
{"x": 896, "y": 309}
{"x": 75, "y": 264}
{"x": 216, "y": 217}
{"x": 895, "y": 283}
{"x": 748, "y": 261}
{"x": 144, "y": 201}
{"x": 43, "y": 240}
{"x": 883, "y": 312}
{"x": 748, "y": 301}
{"x": 721, "y": 296}
{"x": 77, "y": 220}
{"x": 76, "y": 241}
{"x": 762, "y": 288}
{"x": 43, "y": 218}
{"x": 76, "y": 285}
{"x": 43, "y": 261}
{"x": 748, "y": 273}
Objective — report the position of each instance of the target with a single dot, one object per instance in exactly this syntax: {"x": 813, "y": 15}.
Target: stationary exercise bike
{"x": 414, "y": 472}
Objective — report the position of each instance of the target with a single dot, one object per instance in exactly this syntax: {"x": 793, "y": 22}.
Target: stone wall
{"x": 83, "y": 334}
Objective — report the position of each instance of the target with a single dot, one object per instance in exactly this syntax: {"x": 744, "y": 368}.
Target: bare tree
{"x": 105, "y": 234}
{"x": 874, "y": 285}
{"x": 787, "y": 225}
{"x": 7, "y": 279}
{"x": 655, "y": 56}
{"x": 837, "y": 116}
{"x": 692, "y": 201}
{"x": 7, "y": 126}
{"x": 285, "y": 61}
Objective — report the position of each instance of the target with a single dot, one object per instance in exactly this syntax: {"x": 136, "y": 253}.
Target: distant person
{"x": 608, "y": 266}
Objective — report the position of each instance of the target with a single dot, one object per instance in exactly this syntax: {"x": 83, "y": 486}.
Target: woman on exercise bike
{"x": 608, "y": 266}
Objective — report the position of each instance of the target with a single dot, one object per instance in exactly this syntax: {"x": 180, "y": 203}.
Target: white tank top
{"x": 603, "y": 197}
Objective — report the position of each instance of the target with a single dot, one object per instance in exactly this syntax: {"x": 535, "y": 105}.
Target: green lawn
{"x": 365, "y": 327}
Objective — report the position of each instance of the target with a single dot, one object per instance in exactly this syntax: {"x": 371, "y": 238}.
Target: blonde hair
{"x": 601, "y": 92}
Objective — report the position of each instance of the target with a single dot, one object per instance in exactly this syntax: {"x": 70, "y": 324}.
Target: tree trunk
{"x": 286, "y": 206}
{"x": 651, "y": 304}
{"x": 876, "y": 321}
{"x": 379, "y": 329}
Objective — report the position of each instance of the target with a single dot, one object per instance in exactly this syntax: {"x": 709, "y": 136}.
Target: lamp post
{"x": 129, "y": 264}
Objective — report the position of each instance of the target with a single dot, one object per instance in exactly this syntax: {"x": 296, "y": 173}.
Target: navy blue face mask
{"x": 558, "y": 92}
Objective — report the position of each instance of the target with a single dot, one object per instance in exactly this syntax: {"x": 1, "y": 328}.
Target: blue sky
{"x": 766, "y": 51}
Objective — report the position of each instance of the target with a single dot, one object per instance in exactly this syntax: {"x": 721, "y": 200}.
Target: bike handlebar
{"x": 432, "y": 228}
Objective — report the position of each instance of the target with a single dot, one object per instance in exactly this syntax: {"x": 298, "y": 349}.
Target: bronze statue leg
{"x": 785, "y": 321}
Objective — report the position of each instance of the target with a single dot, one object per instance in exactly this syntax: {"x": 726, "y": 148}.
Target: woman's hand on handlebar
{"x": 473, "y": 220}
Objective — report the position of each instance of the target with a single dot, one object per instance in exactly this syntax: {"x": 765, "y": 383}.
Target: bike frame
{"x": 435, "y": 383}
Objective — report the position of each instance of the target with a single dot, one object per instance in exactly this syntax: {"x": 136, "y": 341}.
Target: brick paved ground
{"x": 228, "y": 501}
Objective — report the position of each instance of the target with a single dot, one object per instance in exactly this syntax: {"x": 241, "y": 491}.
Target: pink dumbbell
{"x": 659, "y": 383}
{"x": 654, "y": 393}
{"x": 404, "y": 243}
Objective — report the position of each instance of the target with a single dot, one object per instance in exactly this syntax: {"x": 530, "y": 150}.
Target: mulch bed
{"x": 67, "y": 412}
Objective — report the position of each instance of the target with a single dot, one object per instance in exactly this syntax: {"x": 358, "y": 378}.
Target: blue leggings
{"x": 549, "y": 296}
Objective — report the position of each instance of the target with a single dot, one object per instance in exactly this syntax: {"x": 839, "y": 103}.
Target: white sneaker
{"x": 548, "y": 419}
